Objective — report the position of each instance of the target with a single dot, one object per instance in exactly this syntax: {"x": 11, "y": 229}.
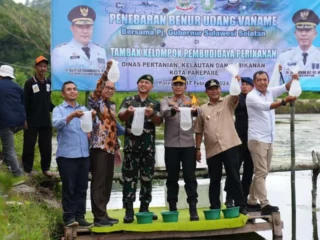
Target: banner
{"x": 193, "y": 38}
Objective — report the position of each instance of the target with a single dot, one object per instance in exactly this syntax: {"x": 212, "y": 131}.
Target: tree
{"x": 32, "y": 23}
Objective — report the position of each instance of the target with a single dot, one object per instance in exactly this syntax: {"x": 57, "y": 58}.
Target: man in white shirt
{"x": 260, "y": 105}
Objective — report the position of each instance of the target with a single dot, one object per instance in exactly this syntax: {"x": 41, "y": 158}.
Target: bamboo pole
{"x": 293, "y": 173}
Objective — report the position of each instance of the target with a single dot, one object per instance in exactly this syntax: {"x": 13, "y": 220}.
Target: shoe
{"x": 71, "y": 223}
{"x": 253, "y": 207}
{"x": 172, "y": 206}
{"x": 33, "y": 173}
{"x": 83, "y": 223}
{"x": 243, "y": 210}
{"x": 112, "y": 220}
{"x": 129, "y": 217}
{"x": 268, "y": 209}
{"x": 144, "y": 207}
{"x": 103, "y": 223}
{"x": 47, "y": 173}
{"x": 193, "y": 212}
{"x": 229, "y": 203}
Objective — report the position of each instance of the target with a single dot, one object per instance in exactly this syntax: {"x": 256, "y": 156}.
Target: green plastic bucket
{"x": 144, "y": 217}
{"x": 170, "y": 216}
{"x": 212, "y": 214}
{"x": 231, "y": 212}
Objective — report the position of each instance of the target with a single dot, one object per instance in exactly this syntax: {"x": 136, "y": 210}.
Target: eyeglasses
{"x": 110, "y": 89}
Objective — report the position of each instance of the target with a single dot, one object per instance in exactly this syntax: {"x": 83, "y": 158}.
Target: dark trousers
{"x": 245, "y": 158}
{"x": 137, "y": 165}
{"x": 102, "y": 166}
{"x": 74, "y": 177}
{"x": 173, "y": 158}
{"x": 45, "y": 147}
{"x": 230, "y": 160}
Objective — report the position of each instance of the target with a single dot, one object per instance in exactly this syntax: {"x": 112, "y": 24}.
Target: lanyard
{"x": 35, "y": 80}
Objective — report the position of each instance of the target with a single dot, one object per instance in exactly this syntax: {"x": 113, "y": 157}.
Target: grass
{"x": 26, "y": 218}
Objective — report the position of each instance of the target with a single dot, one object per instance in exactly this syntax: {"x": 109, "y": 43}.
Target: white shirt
{"x": 293, "y": 57}
{"x": 69, "y": 56}
{"x": 261, "y": 118}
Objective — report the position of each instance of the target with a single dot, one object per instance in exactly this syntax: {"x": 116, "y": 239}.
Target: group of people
{"x": 248, "y": 140}
{"x": 27, "y": 109}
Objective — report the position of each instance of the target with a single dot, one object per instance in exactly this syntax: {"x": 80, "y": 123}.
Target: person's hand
{"x": 194, "y": 109}
{"x": 25, "y": 124}
{"x": 93, "y": 113}
{"x": 117, "y": 158}
{"x": 295, "y": 76}
{"x": 148, "y": 111}
{"x": 289, "y": 99}
{"x": 131, "y": 110}
{"x": 77, "y": 113}
{"x": 280, "y": 67}
{"x": 238, "y": 78}
{"x": 198, "y": 156}
{"x": 176, "y": 108}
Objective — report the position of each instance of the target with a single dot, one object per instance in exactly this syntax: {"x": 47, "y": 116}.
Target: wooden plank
{"x": 277, "y": 225}
{"x": 175, "y": 234}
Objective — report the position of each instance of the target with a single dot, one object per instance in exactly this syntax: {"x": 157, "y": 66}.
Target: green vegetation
{"x": 25, "y": 218}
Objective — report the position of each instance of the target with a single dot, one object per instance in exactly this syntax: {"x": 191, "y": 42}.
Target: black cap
{"x": 247, "y": 80}
{"x": 146, "y": 77}
{"x": 305, "y": 18}
{"x": 82, "y": 15}
{"x": 212, "y": 83}
{"x": 180, "y": 79}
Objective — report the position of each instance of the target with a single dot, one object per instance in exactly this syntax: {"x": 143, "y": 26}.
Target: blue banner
{"x": 193, "y": 38}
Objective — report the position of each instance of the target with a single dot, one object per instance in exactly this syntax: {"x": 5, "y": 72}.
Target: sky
{"x": 20, "y": 1}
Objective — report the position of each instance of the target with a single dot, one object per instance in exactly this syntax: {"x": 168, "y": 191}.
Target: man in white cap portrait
{"x": 12, "y": 117}
{"x": 80, "y": 52}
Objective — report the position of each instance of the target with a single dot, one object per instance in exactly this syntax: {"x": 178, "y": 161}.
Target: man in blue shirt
{"x": 12, "y": 116}
{"x": 72, "y": 156}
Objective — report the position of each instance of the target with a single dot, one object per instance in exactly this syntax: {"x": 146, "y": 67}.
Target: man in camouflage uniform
{"x": 139, "y": 151}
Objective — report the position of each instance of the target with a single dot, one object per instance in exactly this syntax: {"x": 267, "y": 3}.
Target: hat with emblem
{"x": 212, "y": 83}
{"x": 247, "y": 80}
{"x": 147, "y": 77}
{"x": 305, "y": 18}
{"x": 180, "y": 79}
{"x": 82, "y": 15}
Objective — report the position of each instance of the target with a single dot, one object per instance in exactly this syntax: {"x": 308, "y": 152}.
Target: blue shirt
{"x": 72, "y": 141}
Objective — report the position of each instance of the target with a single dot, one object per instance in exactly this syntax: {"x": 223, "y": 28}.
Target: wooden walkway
{"x": 269, "y": 222}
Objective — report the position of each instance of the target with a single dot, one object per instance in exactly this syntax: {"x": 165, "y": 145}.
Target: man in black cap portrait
{"x": 215, "y": 123}
{"x": 306, "y": 56}
{"x": 80, "y": 52}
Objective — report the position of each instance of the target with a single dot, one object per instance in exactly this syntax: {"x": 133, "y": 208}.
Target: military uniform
{"x": 75, "y": 55}
{"x": 308, "y": 61}
{"x": 139, "y": 152}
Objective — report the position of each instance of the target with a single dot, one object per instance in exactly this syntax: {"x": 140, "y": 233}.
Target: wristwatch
{"x": 197, "y": 148}
{"x": 283, "y": 103}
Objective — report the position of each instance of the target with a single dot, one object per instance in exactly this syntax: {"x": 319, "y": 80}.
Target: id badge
{"x": 48, "y": 87}
{"x": 35, "y": 88}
